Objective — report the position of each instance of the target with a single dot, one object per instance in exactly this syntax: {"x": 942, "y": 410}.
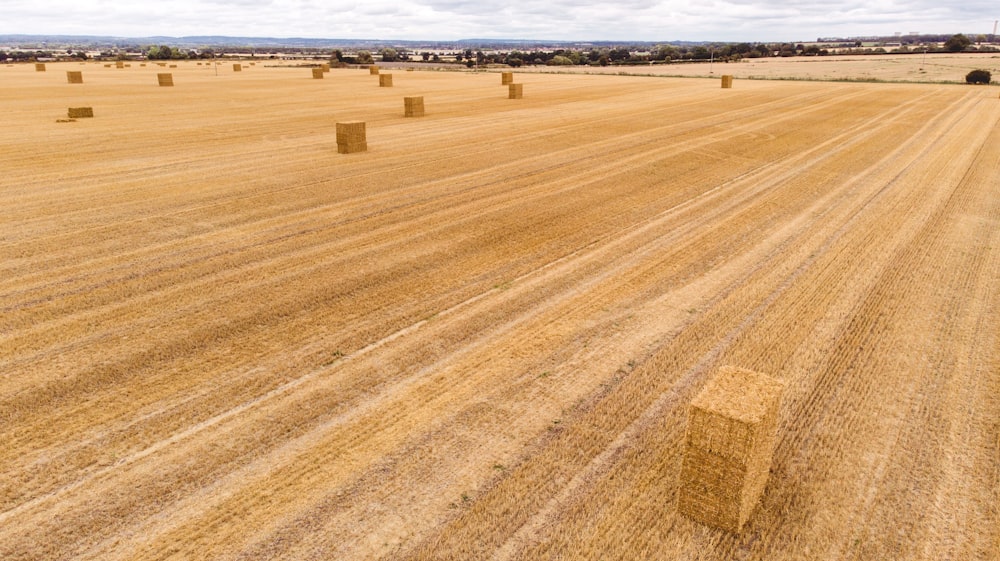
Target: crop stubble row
{"x": 527, "y": 296}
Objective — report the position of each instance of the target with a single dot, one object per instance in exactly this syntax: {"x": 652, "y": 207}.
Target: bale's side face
{"x": 413, "y": 106}
{"x": 80, "y": 112}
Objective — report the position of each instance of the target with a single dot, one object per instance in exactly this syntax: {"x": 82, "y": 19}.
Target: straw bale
{"x": 515, "y": 91}
{"x": 74, "y": 77}
{"x": 351, "y": 137}
{"x": 410, "y": 69}
{"x": 107, "y": 65}
{"x": 253, "y": 64}
{"x": 80, "y": 112}
{"x": 163, "y": 64}
{"x": 506, "y": 78}
{"x": 199, "y": 64}
{"x": 237, "y": 68}
{"x": 120, "y": 64}
{"x": 317, "y": 73}
{"x": 325, "y": 67}
{"x": 413, "y": 106}
{"x": 173, "y": 66}
{"x": 165, "y": 79}
{"x": 142, "y": 64}
{"x": 730, "y": 439}
{"x": 128, "y": 66}
{"x": 39, "y": 67}
{"x": 727, "y": 81}
{"x": 373, "y": 70}
{"x": 385, "y": 80}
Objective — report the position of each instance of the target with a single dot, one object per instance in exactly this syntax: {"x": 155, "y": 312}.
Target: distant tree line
{"x": 659, "y": 54}
{"x": 165, "y": 52}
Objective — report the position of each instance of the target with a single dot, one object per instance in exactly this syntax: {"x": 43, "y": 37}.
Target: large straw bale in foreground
{"x": 74, "y": 77}
{"x": 506, "y": 78}
{"x": 731, "y": 434}
{"x": 317, "y": 73}
{"x": 385, "y": 80}
{"x": 413, "y": 106}
{"x": 165, "y": 79}
{"x": 727, "y": 81}
{"x": 351, "y": 137}
{"x": 39, "y": 67}
{"x": 515, "y": 91}
{"x": 237, "y": 68}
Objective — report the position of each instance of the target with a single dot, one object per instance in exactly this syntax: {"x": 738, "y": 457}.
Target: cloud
{"x": 727, "y": 20}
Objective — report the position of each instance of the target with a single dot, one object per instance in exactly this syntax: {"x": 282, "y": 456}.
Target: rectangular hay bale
{"x": 730, "y": 439}
{"x": 351, "y": 137}
{"x": 413, "y": 106}
{"x": 39, "y": 67}
{"x": 727, "y": 81}
{"x": 385, "y": 80}
{"x": 120, "y": 64}
{"x": 237, "y": 68}
{"x": 80, "y": 112}
{"x": 515, "y": 91}
{"x": 506, "y": 78}
{"x": 317, "y": 73}
{"x": 165, "y": 79}
{"x": 74, "y": 76}
{"x": 373, "y": 70}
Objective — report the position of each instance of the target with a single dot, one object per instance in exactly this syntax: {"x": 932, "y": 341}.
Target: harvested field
{"x": 220, "y": 339}
{"x": 934, "y": 67}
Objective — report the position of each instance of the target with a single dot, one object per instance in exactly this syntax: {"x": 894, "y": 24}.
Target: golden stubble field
{"x": 220, "y": 339}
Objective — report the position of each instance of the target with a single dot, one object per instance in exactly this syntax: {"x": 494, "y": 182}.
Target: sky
{"x": 565, "y": 20}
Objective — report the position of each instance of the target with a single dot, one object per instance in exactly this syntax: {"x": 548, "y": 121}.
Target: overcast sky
{"x": 641, "y": 20}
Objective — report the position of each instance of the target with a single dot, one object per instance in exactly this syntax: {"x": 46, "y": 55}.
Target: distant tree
{"x": 957, "y": 43}
{"x": 364, "y": 57}
{"x": 458, "y": 57}
{"x": 559, "y": 60}
{"x": 389, "y": 54}
{"x": 425, "y": 55}
{"x": 3, "y": 56}
{"x": 978, "y": 77}
{"x": 742, "y": 48}
{"x": 700, "y": 53}
{"x": 616, "y": 55}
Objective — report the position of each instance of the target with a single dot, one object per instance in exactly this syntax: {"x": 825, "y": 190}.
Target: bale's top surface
{"x": 739, "y": 394}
